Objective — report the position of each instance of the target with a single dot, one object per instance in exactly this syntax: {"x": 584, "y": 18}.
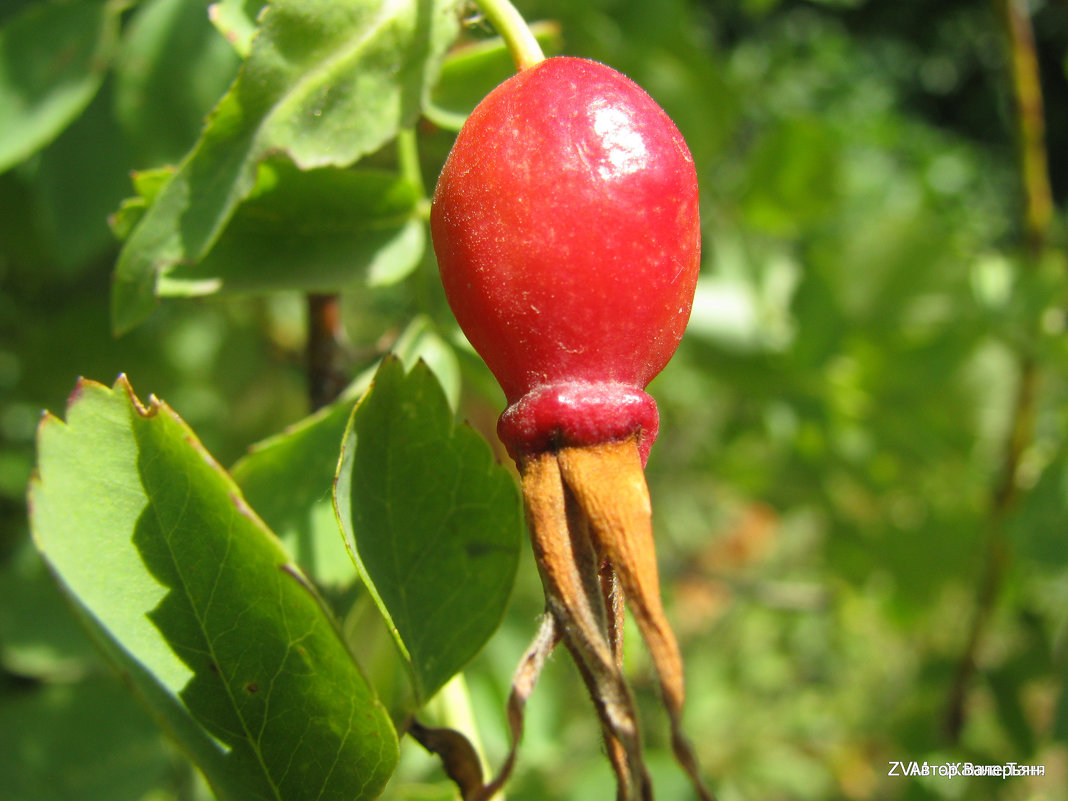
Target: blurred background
{"x": 861, "y": 484}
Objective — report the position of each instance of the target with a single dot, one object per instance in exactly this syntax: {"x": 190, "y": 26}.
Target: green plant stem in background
{"x": 509, "y": 23}
{"x": 1030, "y": 124}
{"x": 408, "y": 159}
{"x": 1036, "y": 214}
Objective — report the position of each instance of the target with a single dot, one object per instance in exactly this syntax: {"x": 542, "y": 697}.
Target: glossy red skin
{"x": 567, "y": 231}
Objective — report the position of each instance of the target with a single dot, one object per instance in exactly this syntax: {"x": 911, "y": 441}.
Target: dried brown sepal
{"x": 458, "y": 757}
{"x": 614, "y": 606}
{"x": 570, "y": 570}
{"x": 608, "y": 482}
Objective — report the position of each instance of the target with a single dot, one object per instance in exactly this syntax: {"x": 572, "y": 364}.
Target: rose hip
{"x": 567, "y": 232}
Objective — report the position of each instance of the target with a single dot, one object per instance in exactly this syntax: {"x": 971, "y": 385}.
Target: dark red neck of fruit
{"x": 578, "y": 413}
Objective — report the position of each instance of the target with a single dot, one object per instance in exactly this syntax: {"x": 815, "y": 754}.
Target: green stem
{"x": 1030, "y": 125}
{"x": 1036, "y": 215}
{"x": 408, "y": 159}
{"x": 409, "y": 165}
{"x": 509, "y": 23}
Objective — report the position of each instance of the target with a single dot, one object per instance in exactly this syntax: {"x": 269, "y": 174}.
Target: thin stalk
{"x": 427, "y": 285}
{"x": 510, "y": 25}
{"x": 997, "y": 553}
{"x": 408, "y": 159}
{"x": 526, "y": 676}
{"x": 1036, "y": 214}
{"x": 1030, "y": 124}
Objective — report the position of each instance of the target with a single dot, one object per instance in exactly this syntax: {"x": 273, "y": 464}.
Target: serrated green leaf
{"x": 325, "y": 83}
{"x": 172, "y": 66}
{"x": 53, "y": 58}
{"x": 196, "y": 602}
{"x": 236, "y": 20}
{"x": 288, "y": 479}
{"x": 420, "y": 341}
{"x": 431, "y": 520}
{"x": 319, "y": 231}
{"x": 146, "y": 184}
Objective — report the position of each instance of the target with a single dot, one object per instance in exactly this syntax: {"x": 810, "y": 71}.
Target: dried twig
{"x": 324, "y": 349}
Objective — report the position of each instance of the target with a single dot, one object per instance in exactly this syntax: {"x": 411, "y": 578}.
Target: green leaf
{"x": 432, "y": 522}
{"x": 78, "y": 179}
{"x": 198, "y": 605}
{"x": 46, "y": 753}
{"x": 53, "y": 58}
{"x": 319, "y": 230}
{"x": 420, "y": 341}
{"x": 236, "y": 20}
{"x": 147, "y": 184}
{"x": 288, "y": 478}
{"x": 171, "y": 68}
{"x": 325, "y": 83}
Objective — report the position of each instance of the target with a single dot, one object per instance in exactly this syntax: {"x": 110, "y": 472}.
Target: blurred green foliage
{"x": 833, "y": 427}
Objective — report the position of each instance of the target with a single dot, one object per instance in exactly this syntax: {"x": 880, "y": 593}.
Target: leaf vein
{"x": 201, "y": 623}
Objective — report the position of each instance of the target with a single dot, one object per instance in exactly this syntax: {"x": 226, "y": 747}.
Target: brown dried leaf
{"x": 458, "y": 756}
{"x": 570, "y": 570}
{"x": 608, "y": 482}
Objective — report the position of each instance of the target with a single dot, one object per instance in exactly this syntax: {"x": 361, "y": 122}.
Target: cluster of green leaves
{"x": 832, "y": 427}
{"x": 230, "y": 602}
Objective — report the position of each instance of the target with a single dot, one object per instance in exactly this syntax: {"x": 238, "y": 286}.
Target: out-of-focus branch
{"x": 325, "y": 349}
{"x": 1030, "y": 124}
{"x": 1002, "y": 500}
{"x": 1037, "y": 212}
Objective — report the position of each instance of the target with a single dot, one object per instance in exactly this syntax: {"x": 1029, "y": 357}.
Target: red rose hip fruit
{"x": 566, "y": 227}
